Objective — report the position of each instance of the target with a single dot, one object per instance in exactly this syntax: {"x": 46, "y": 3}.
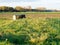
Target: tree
{"x": 19, "y": 8}
{"x": 28, "y": 8}
{"x": 10, "y": 9}
{"x": 41, "y": 8}
{"x": 6, "y": 8}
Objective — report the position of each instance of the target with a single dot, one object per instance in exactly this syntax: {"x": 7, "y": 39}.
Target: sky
{"x": 49, "y": 4}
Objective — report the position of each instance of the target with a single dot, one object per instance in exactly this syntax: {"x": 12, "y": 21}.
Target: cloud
{"x": 33, "y": 3}
{"x": 18, "y": 0}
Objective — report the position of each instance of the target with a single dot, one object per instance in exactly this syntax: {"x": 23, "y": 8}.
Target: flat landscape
{"x": 34, "y": 14}
{"x": 29, "y": 22}
{"x": 38, "y": 28}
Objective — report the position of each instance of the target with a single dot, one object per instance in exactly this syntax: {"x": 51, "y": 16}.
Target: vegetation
{"x": 9, "y": 13}
{"x": 18, "y": 8}
{"x": 6, "y": 9}
{"x": 35, "y": 31}
{"x": 11, "y": 9}
{"x": 24, "y": 9}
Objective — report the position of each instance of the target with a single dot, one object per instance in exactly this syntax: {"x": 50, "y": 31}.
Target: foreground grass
{"x": 36, "y": 31}
{"x": 5, "y": 43}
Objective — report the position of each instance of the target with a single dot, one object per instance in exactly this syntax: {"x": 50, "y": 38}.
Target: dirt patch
{"x": 8, "y": 16}
{"x": 43, "y": 15}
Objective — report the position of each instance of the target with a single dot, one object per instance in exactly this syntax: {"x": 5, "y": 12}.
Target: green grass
{"x": 5, "y": 43}
{"x": 29, "y": 13}
{"x": 36, "y": 31}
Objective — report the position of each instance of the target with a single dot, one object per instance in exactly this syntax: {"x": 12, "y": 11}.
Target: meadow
{"x": 30, "y": 13}
{"x": 9, "y": 15}
{"x": 30, "y": 31}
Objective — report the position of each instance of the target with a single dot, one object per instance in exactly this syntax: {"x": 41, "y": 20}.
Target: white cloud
{"x": 35, "y": 3}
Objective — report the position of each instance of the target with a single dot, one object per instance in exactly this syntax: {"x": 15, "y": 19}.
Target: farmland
{"x": 30, "y": 31}
{"x": 27, "y": 31}
{"x": 32, "y": 14}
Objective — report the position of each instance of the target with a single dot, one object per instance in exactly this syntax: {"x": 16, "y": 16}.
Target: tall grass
{"x": 36, "y": 31}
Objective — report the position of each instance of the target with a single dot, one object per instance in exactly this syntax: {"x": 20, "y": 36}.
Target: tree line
{"x": 11, "y": 9}
{"x": 22, "y": 9}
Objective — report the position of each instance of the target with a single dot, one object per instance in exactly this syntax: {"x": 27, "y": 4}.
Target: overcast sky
{"x": 53, "y": 4}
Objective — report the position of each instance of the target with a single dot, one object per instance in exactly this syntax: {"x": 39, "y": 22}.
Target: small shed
{"x": 18, "y": 16}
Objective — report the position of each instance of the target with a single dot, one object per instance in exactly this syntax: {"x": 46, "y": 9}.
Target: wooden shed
{"x": 18, "y": 16}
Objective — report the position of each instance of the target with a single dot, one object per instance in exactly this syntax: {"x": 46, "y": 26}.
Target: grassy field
{"x": 35, "y": 31}
{"x": 30, "y": 13}
{"x": 41, "y": 29}
{"x": 8, "y": 15}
